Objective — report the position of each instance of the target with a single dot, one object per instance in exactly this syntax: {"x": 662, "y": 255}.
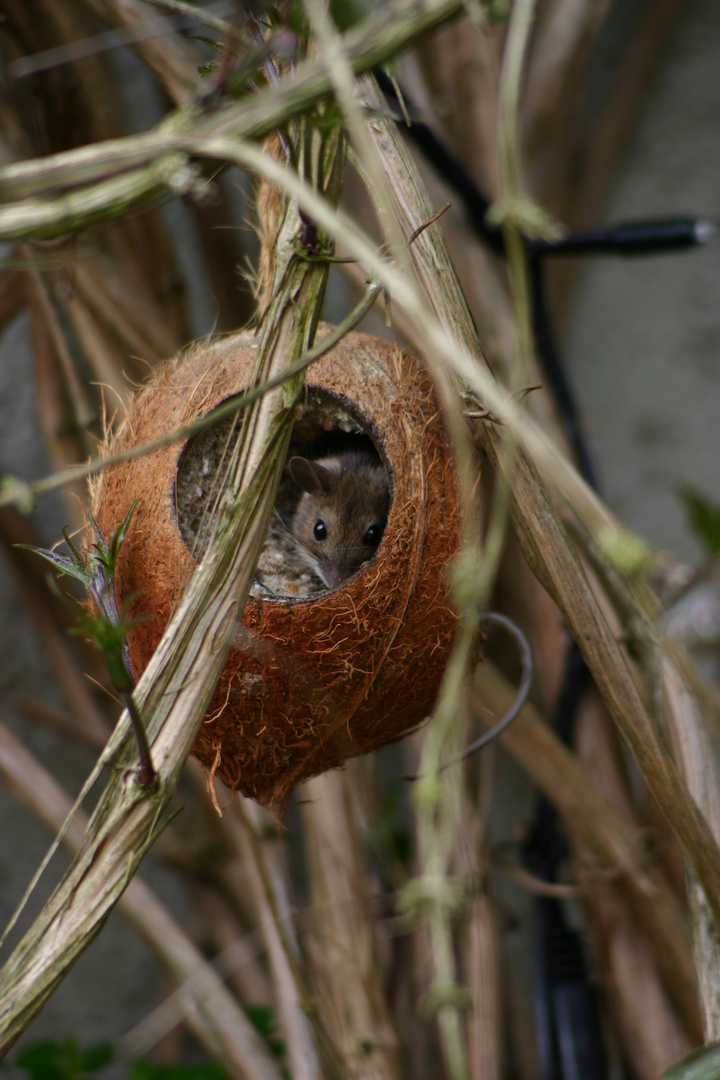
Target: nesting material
{"x": 315, "y": 676}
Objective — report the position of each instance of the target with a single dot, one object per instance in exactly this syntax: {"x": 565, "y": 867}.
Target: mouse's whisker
{"x": 278, "y": 516}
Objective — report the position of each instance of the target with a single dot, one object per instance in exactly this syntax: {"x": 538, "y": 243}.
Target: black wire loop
{"x": 526, "y": 658}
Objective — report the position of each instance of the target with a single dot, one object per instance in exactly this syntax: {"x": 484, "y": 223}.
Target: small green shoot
{"x": 703, "y": 517}
{"x": 106, "y": 626}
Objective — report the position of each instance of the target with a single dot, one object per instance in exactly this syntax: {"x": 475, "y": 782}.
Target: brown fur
{"x": 349, "y": 493}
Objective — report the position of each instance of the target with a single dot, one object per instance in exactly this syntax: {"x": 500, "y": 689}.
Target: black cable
{"x": 631, "y": 238}
{"x": 553, "y": 371}
{"x": 570, "y": 1042}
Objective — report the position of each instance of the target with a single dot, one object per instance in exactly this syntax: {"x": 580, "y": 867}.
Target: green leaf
{"x": 105, "y": 626}
{"x": 97, "y": 1056}
{"x": 50, "y": 1060}
{"x": 145, "y": 1070}
{"x": 703, "y": 517}
{"x": 262, "y": 1018}
{"x": 63, "y": 563}
{"x": 106, "y": 554}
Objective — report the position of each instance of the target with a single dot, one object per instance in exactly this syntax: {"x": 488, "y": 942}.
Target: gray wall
{"x": 643, "y": 342}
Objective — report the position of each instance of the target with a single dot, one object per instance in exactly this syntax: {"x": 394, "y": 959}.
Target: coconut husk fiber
{"x": 315, "y": 676}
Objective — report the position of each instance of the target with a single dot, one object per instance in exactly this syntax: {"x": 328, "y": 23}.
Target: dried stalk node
{"x": 315, "y": 676}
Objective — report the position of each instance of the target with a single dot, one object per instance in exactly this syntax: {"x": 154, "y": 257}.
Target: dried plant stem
{"x": 688, "y": 994}
{"x": 125, "y": 310}
{"x": 49, "y": 620}
{"x": 333, "y": 54}
{"x": 372, "y": 42}
{"x": 175, "y": 689}
{"x": 650, "y": 1032}
{"x": 696, "y": 757}
{"x": 478, "y": 933}
{"x": 82, "y": 412}
{"x": 180, "y": 7}
{"x": 550, "y": 556}
{"x": 344, "y": 949}
{"x": 255, "y": 834}
{"x": 209, "y": 1008}
{"x": 12, "y": 290}
{"x": 610, "y": 131}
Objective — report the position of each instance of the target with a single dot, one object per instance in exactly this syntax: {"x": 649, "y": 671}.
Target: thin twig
{"x": 426, "y": 224}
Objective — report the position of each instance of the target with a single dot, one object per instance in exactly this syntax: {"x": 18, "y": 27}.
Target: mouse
{"x": 341, "y": 516}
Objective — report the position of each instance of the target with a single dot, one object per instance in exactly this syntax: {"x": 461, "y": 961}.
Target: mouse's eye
{"x": 319, "y": 530}
{"x": 373, "y": 536}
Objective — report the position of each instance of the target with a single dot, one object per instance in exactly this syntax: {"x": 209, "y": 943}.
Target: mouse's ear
{"x": 312, "y": 477}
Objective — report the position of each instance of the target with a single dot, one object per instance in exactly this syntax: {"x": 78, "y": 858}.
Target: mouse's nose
{"x": 334, "y": 575}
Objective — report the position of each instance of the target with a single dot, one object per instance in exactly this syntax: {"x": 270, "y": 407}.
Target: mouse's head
{"x": 341, "y": 516}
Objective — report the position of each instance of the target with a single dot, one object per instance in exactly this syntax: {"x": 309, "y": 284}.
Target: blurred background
{"x": 621, "y": 123}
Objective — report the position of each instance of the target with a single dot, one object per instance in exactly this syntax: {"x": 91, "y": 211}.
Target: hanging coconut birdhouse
{"x": 339, "y": 652}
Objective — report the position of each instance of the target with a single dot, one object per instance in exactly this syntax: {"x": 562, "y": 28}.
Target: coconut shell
{"x": 314, "y": 681}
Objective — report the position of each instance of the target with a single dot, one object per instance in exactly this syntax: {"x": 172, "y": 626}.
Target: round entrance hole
{"x": 324, "y": 428}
